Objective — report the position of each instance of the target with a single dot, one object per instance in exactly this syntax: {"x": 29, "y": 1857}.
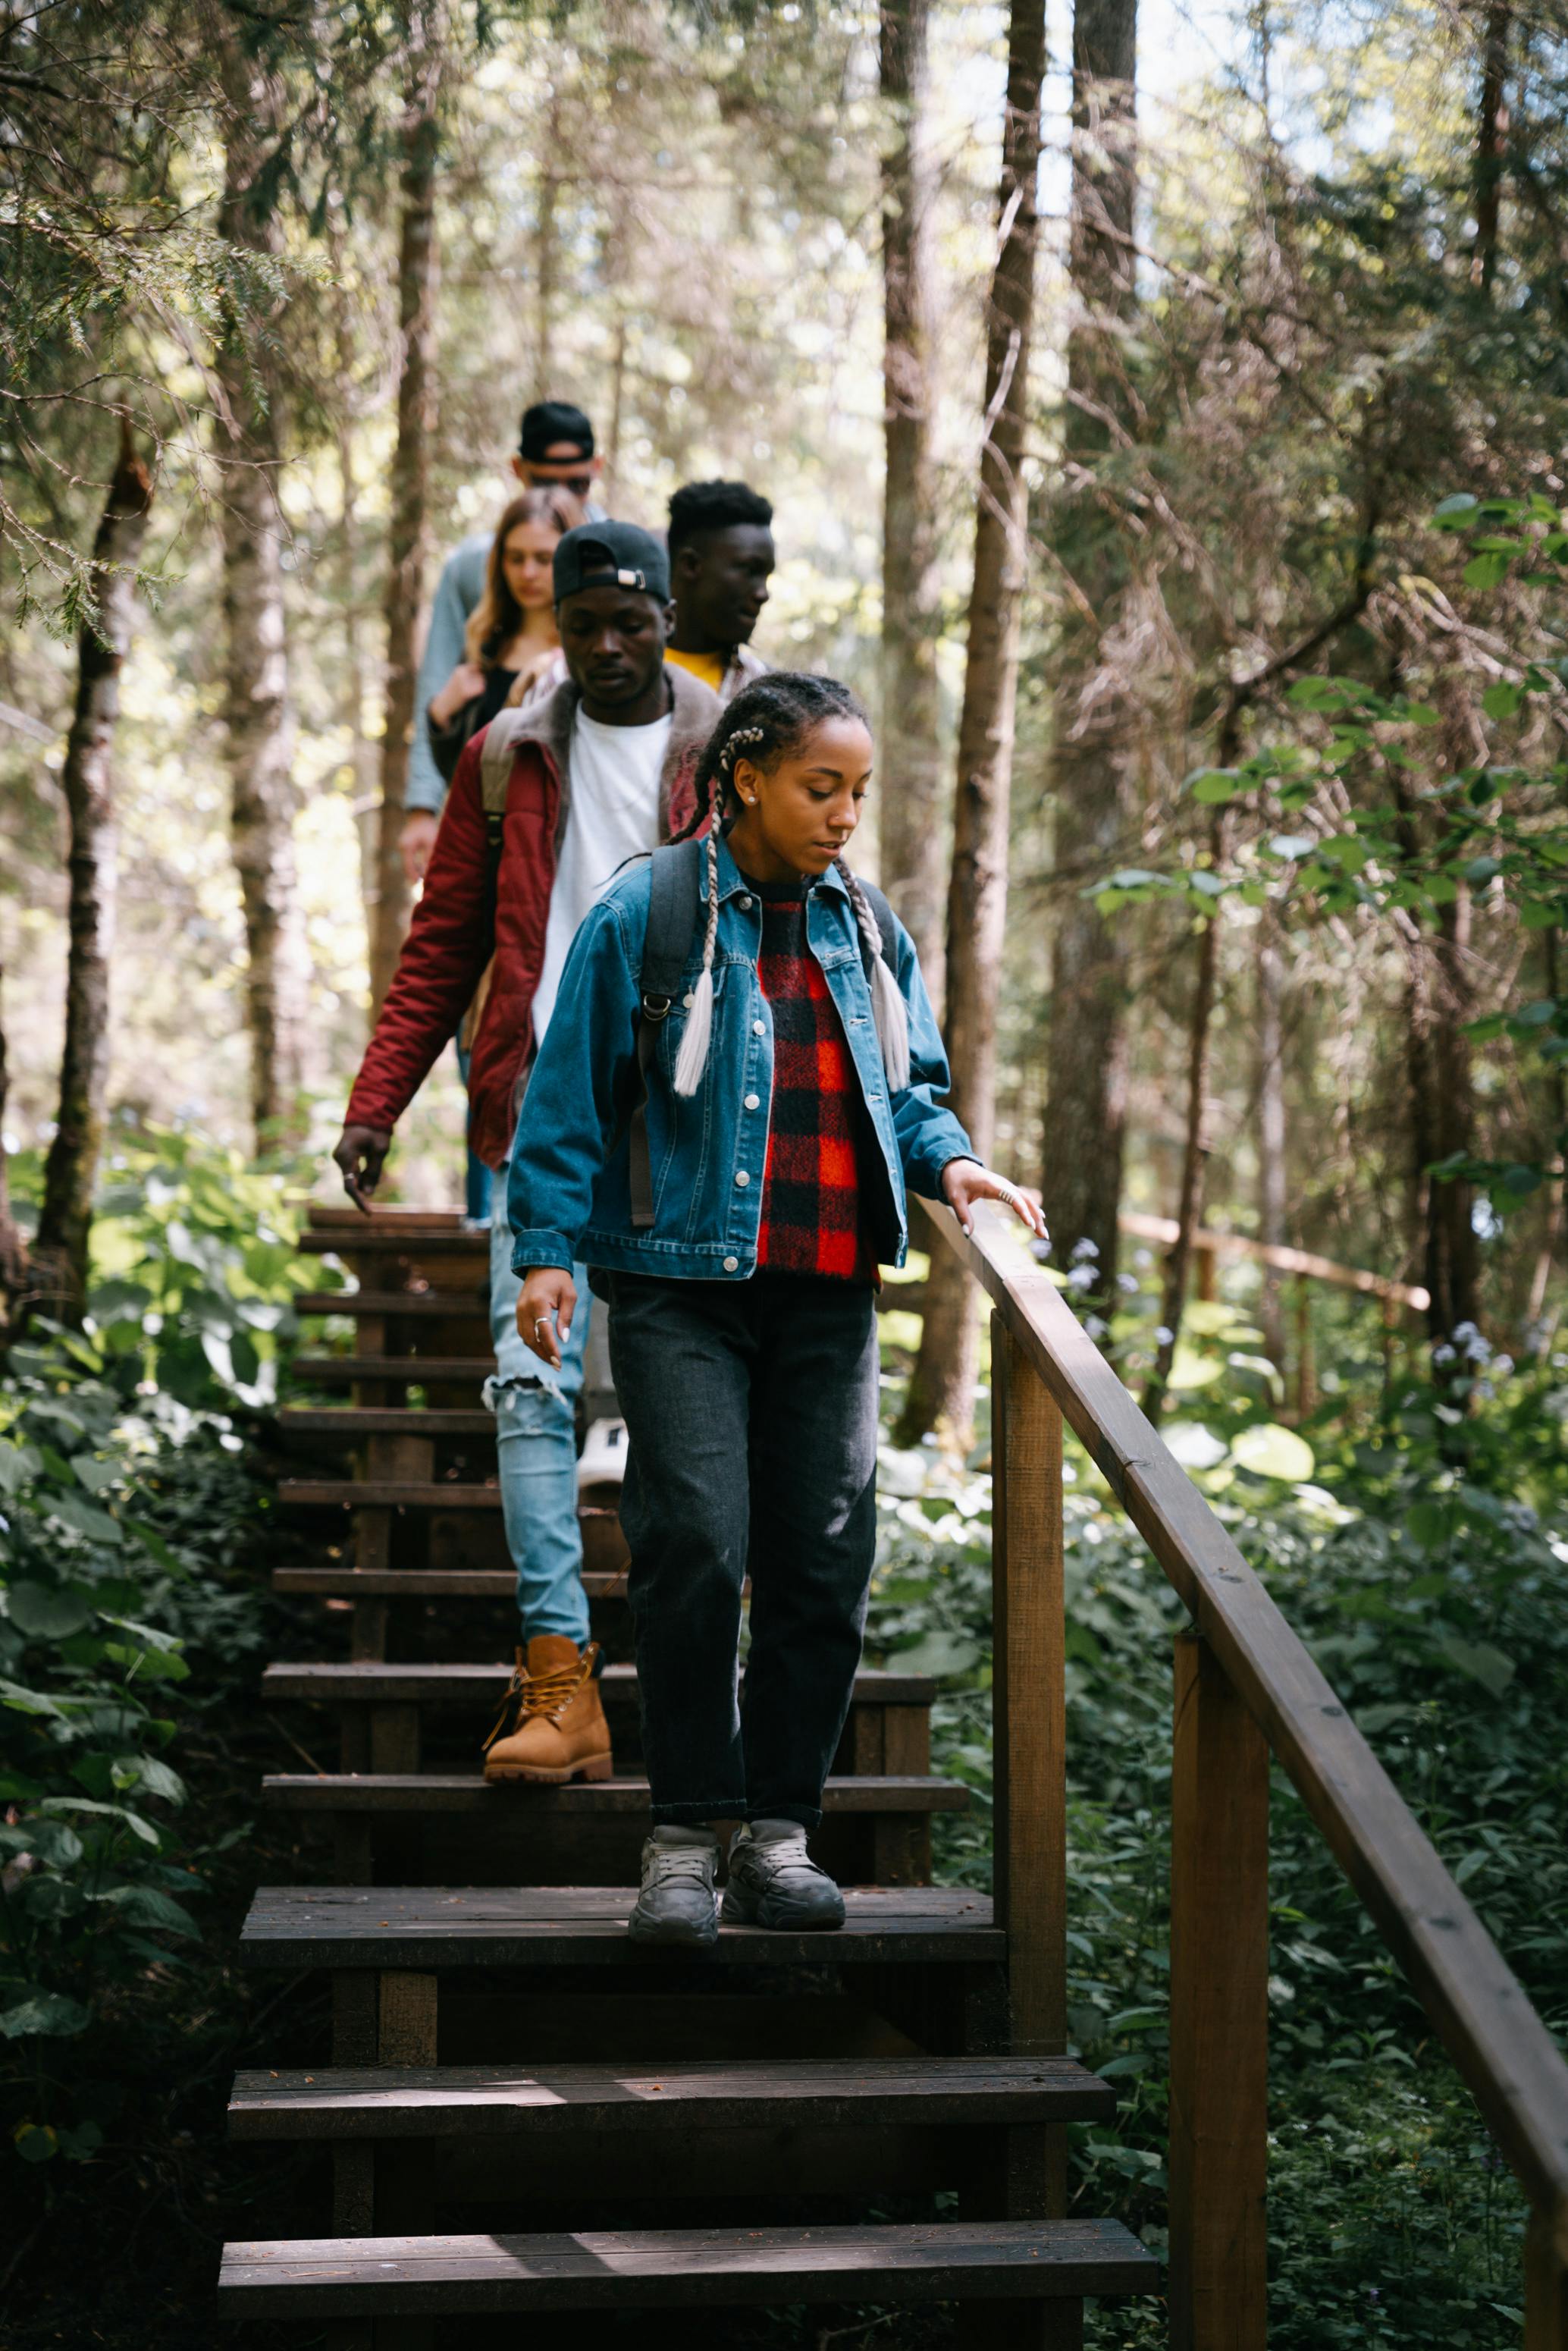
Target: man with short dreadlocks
{"x": 726, "y": 1148}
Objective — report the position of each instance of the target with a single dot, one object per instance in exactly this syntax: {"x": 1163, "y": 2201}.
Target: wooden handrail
{"x": 1508, "y": 2060}
{"x": 1285, "y": 1260}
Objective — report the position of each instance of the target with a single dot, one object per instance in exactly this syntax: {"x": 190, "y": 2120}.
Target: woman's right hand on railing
{"x": 964, "y": 1181}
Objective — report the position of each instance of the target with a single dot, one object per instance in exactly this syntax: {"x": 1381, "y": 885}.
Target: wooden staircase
{"x": 643, "y": 2134}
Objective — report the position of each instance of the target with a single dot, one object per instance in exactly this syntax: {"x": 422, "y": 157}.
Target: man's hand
{"x": 545, "y": 1310}
{"x": 964, "y": 1181}
{"x": 360, "y": 1152}
{"x": 416, "y": 840}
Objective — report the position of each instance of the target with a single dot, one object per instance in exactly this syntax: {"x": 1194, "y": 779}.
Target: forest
{"x": 1163, "y": 413}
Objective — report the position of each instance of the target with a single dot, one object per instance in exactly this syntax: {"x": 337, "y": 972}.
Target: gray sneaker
{"x": 774, "y": 1882}
{"x": 677, "y": 1904}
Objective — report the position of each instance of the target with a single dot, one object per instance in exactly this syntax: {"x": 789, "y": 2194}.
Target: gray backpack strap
{"x": 674, "y": 902}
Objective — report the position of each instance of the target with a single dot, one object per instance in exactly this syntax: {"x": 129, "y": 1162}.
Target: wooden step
{"x": 333, "y": 1216}
{"x": 428, "y": 1583}
{"x": 433, "y": 1241}
{"x": 376, "y": 1684}
{"x": 403, "y": 1930}
{"x": 447, "y": 2102}
{"x": 452, "y": 1304}
{"x": 424, "y": 1792}
{"x": 353, "y": 1422}
{"x": 366, "y": 2277}
{"x": 423, "y": 1370}
{"x": 386, "y": 1494}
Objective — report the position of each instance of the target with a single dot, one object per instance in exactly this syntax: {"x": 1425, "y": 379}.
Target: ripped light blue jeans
{"x": 536, "y": 1450}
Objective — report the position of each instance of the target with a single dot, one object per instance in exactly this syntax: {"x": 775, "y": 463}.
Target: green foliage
{"x": 127, "y": 1529}
{"x": 1433, "y": 1596}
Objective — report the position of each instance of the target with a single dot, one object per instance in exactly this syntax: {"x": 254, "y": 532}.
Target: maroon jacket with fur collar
{"x": 449, "y": 947}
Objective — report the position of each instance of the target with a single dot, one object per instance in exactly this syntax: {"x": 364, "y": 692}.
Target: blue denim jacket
{"x": 569, "y": 1196}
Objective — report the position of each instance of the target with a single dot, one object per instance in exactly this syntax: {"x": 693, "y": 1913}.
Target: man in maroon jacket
{"x": 545, "y": 805}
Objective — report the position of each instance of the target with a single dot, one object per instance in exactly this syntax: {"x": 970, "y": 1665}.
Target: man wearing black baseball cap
{"x": 548, "y": 801}
{"x": 555, "y": 449}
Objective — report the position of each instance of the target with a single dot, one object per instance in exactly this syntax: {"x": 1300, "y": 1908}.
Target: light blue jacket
{"x": 569, "y": 1196}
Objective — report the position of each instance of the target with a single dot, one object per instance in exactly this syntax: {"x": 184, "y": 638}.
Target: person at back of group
{"x": 555, "y": 451}
{"x": 512, "y": 627}
{"x": 600, "y": 771}
{"x": 720, "y": 543}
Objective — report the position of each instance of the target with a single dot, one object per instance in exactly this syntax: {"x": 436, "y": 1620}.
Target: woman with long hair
{"x": 511, "y": 638}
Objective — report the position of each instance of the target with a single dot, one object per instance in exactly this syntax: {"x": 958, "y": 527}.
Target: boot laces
{"x": 547, "y": 1694}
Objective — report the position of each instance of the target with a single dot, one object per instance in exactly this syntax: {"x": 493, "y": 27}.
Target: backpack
{"x": 675, "y": 909}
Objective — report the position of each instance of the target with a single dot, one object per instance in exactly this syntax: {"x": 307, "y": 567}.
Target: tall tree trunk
{"x": 1491, "y": 134}
{"x": 911, "y": 799}
{"x": 14, "y": 1261}
{"x": 1271, "y": 976}
{"x": 258, "y": 719}
{"x": 1195, "y": 1149}
{"x": 87, "y": 782}
{"x": 1097, "y": 754}
{"x": 942, "y": 1385}
{"x": 410, "y": 471}
{"x": 1438, "y": 1003}
{"x": 547, "y": 251}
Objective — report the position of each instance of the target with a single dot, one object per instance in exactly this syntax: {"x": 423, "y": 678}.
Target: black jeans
{"x": 751, "y": 1414}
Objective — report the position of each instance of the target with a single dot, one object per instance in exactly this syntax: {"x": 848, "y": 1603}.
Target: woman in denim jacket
{"x": 792, "y": 1097}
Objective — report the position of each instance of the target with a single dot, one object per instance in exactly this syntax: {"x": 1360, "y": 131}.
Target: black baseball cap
{"x": 611, "y": 555}
{"x": 547, "y": 425}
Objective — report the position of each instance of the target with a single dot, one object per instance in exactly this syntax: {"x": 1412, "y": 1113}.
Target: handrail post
{"x": 1546, "y": 2282}
{"x": 1219, "y": 2012}
{"x": 1029, "y": 1704}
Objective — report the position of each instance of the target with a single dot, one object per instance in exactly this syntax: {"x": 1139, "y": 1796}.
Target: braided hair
{"x": 767, "y": 719}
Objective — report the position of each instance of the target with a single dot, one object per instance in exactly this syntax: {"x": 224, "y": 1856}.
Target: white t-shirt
{"x": 613, "y": 815}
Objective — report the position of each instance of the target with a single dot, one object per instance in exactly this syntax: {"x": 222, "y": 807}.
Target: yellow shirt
{"x": 709, "y": 667}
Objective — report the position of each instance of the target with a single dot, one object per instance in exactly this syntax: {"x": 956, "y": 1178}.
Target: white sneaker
{"x": 603, "y": 1458}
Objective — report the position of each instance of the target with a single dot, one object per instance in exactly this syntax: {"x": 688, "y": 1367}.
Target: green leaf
{"x": 938, "y": 1654}
{"x": 1422, "y": 713}
{"x": 144, "y": 1905}
{"x": 1536, "y": 915}
{"x": 1490, "y": 1666}
{"x": 1484, "y": 570}
{"x": 35, "y": 2142}
{"x": 1429, "y": 1524}
{"x": 82, "y": 1517}
{"x": 1269, "y": 1451}
{"x": 1502, "y": 699}
{"x": 44, "y": 1611}
{"x": 95, "y": 1475}
{"x": 1215, "y": 786}
{"x": 46, "y": 2014}
{"x": 1520, "y": 1180}
{"x": 1457, "y": 513}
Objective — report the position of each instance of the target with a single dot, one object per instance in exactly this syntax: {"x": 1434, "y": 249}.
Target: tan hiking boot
{"x": 559, "y": 1732}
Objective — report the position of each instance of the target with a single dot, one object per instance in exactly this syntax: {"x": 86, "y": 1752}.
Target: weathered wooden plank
{"x": 416, "y": 1242}
{"x": 460, "y": 1792}
{"x": 379, "y": 1683}
{"x": 425, "y": 1583}
{"x": 395, "y": 1305}
{"x": 1219, "y": 2013}
{"x": 405, "y": 2032}
{"x": 1503, "y": 2051}
{"x": 414, "y": 2101}
{"x": 424, "y": 1929}
{"x": 435, "y": 1371}
{"x": 362, "y": 1494}
{"x": 384, "y": 1217}
{"x": 315, "y": 2278}
{"x": 356, "y": 1421}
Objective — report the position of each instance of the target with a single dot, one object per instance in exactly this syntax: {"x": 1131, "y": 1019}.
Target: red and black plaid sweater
{"x": 811, "y": 1205}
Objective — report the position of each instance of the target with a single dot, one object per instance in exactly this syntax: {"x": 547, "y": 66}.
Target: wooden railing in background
{"x": 1244, "y": 1685}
